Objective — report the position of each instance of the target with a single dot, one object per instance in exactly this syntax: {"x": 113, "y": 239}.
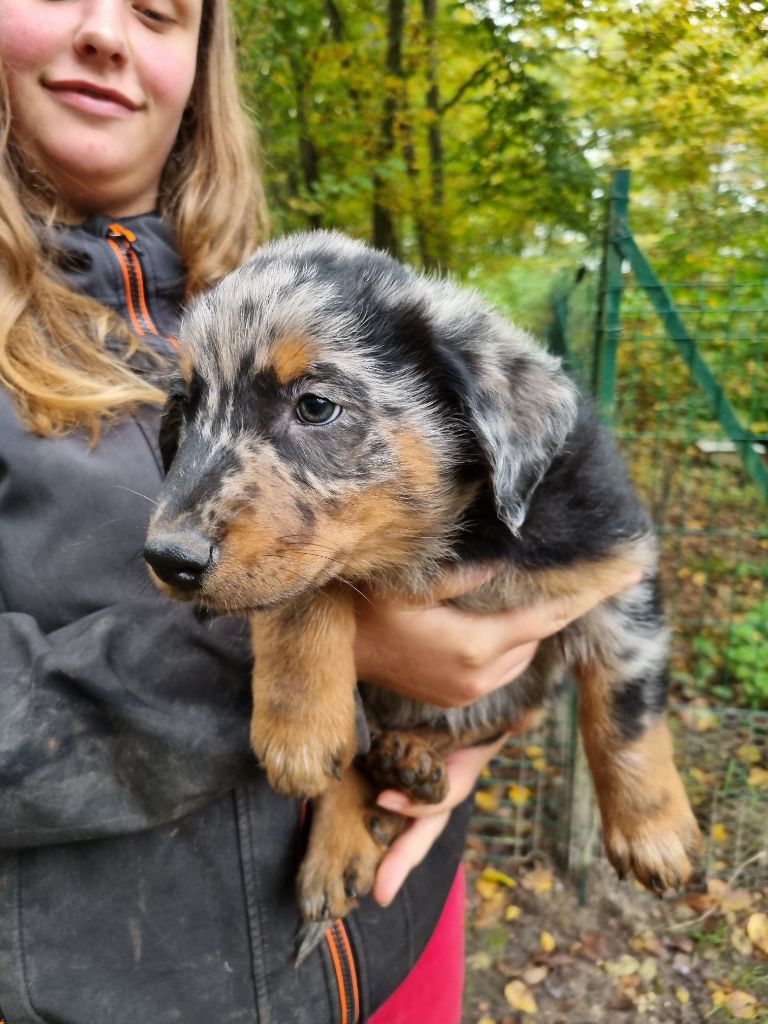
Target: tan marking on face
{"x": 291, "y": 357}
{"x": 416, "y": 462}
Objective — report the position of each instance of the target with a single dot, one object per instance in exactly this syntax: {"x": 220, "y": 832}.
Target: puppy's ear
{"x": 521, "y": 407}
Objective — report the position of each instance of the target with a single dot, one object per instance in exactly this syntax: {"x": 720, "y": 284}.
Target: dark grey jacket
{"x": 146, "y": 869}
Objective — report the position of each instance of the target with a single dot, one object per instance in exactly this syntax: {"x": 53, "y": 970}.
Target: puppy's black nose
{"x": 180, "y": 560}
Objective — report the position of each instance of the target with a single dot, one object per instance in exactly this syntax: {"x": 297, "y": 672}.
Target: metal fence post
{"x": 608, "y": 319}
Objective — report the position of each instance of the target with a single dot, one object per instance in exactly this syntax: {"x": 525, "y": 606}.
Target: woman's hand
{"x": 450, "y": 657}
{"x": 444, "y": 655}
{"x": 429, "y": 820}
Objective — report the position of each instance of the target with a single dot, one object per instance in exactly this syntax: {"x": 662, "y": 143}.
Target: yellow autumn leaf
{"x": 520, "y": 997}
{"x": 539, "y": 764}
{"x": 749, "y": 752}
{"x": 519, "y": 795}
{"x": 493, "y": 875}
{"x": 487, "y": 801}
{"x": 533, "y": 751}
{"x": 486, "y": 888}
{"x": 699, "y": 578}
{"x": 682, "y": 995}
{"x": 539, "y": 880}
{"x": 741, "y": 1005}
{"x": 758, "y": 777}
{"x": 740, "y": 942}
{"x": 547, "y": 942}
{"x": 487, "y": 1020}
{"x": 757, "y": 930}
{"x": 719, "y": 833}
{"x": 512, "y": 912}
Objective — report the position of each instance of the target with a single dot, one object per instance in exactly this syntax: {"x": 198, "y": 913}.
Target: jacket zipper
{"x": 121, "y": 241}
{"x": 346, "y": 973}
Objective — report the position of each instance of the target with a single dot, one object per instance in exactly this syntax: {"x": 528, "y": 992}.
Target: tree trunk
{"x": 384, "y": 233}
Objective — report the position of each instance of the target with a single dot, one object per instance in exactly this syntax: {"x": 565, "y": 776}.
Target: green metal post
{"x": 608, "y": 320}
{"x": 743, "y": 438}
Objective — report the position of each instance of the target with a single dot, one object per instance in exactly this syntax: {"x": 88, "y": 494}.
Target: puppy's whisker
{"x": 122, "y": 487}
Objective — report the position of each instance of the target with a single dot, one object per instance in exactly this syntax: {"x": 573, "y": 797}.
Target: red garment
{"x": 432, "y": 992}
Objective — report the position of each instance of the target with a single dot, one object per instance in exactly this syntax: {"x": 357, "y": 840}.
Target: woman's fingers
{"x": 408, "y": 850}
{"x": 429, "y": 820}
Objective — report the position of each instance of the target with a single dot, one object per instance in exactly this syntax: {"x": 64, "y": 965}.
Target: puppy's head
{"x": 324, "y": 400}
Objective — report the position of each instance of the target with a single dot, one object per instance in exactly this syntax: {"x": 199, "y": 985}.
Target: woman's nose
{"x": 101, "y": 33}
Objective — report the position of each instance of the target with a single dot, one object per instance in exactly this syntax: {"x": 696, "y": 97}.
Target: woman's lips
{"x": 92, "y": 99}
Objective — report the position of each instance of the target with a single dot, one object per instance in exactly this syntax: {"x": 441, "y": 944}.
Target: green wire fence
{"x": 680, "y": 370}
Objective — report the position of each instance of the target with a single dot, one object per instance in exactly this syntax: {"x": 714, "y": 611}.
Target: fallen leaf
{"x": 757, "y": 930}
{"x": 625, "y": 964}
{"x": 487, "y": 1020}
{"x": 719, "y": 833}
{"x": 480, "y": 961}
{"x": 547, "y": 942}
{"x": 520, "y": 997}
{"x": 493, "y": 875}
{"x": 682, "y": 995}
{"x": 699, "y": 719}
{"x": 512, "y": 912}
{"x": 742, "y": 1005}
{"x": 649, "y": 968}
{"x": 740, "y": 941}
{"x": 539, "y": 880}
{"x": 519, "y": 795}
{"x": 486, "y": 888}
{"x": 647, "y": 942}
{"x": 730, "y": 901}
{"x": 705, "y": 778}
{"x": 758, "y": 777}
{"x": 534, "y": 975}
{"x": 487, "y": 800}
{"x": 593, "y": 946}
{"x": 490, "y": 911}
{"x": 749, "y": 752}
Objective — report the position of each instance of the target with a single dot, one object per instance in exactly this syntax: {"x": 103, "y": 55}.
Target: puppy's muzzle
{"x": 180, "y": 559}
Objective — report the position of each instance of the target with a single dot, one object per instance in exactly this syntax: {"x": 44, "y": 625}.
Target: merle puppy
{"x": 337, "y": 420}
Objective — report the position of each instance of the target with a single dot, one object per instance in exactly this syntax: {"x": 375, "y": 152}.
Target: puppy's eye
{"x": 317, "y": 410}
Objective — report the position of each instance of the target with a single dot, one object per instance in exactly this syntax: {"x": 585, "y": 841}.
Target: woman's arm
{"x": 451, "y": 657}
{"x": 127, "y": 718}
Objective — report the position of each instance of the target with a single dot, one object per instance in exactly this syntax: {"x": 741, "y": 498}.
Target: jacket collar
{"x": 89, "y": 264}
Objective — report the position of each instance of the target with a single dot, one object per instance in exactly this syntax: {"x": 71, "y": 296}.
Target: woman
{"x": 145, "y": 867}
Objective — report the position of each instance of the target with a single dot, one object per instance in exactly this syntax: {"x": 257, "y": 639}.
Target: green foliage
{"x": 482, "y": 131}
{"x": 743, "y": 664}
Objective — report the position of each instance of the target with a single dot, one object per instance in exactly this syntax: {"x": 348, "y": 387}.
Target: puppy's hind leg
{"x": 648, "y": 825}
{"x": 347, "y": 839}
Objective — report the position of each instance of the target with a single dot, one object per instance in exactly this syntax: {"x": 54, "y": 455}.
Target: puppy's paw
{"x": 300, "y": 762}
{"x": 337, "y": 871}
{"x": 657, "y": 845}
{"x": 407, "y": 761}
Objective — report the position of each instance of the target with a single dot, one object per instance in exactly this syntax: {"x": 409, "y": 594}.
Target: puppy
{"x": 338, "y": 420}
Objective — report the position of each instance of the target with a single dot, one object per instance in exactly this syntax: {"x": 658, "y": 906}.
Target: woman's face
{"x": 98, "y": 89}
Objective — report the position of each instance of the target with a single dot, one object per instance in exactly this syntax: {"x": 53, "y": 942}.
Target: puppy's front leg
{"x": 303, "y": 725}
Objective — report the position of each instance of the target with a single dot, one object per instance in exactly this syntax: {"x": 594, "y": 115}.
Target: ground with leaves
{"x": 536, "y": 955}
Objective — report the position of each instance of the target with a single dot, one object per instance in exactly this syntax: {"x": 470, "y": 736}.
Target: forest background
{"x": 477, "y": 136}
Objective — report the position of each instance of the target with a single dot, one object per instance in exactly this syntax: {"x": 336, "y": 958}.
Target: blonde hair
{"x": 54, "y": 362}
